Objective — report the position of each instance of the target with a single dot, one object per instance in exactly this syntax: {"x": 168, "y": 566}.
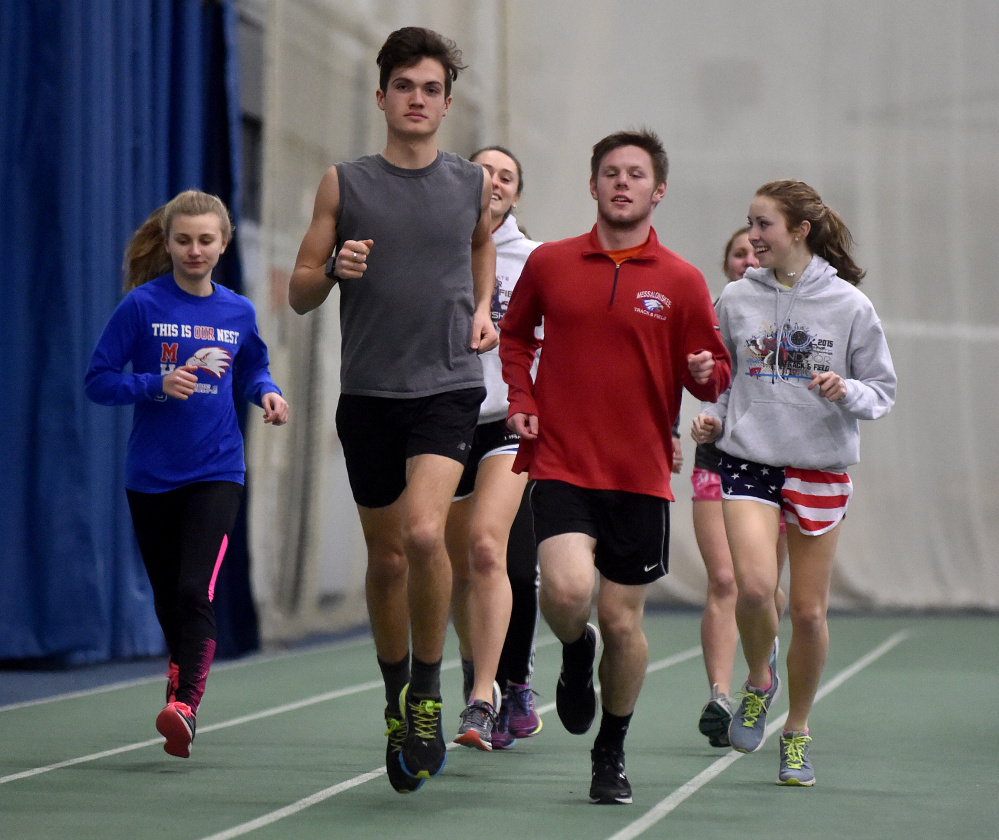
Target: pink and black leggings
{"x": 183, "y": 535}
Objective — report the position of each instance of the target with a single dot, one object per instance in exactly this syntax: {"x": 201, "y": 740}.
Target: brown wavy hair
{"x": 408, "y": 46}
{"x": 146, "y": 256}
{"x": 829, "y": 237}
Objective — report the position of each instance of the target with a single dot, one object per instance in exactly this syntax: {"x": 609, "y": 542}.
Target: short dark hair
{"x": 645, "y": 139}
{"x": 408, "y": 46}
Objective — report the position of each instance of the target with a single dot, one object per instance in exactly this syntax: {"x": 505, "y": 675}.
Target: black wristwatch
{"x": 331, "y": 267}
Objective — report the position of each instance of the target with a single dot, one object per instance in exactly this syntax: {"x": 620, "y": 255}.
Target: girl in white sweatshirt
{"x": 490, "y": 533}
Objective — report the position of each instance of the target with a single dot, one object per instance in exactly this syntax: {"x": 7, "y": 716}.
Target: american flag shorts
{"x": 814, "y": 500}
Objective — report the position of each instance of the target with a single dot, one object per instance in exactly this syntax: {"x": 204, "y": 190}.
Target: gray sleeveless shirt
{"x": 406, "y": 324}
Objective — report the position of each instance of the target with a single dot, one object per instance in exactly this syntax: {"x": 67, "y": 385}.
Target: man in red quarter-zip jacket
{"x": 627, "y": 324}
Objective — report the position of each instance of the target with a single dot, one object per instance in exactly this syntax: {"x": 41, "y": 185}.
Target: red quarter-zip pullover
{"x": 616, "y": 343}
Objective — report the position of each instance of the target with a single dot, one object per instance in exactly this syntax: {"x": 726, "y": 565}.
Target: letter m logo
{"x": 169, "y": 353}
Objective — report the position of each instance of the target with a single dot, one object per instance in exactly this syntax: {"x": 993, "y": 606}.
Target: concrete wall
{"x": 893, "y": 116}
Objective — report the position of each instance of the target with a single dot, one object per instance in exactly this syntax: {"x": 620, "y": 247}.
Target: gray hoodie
{"x": 777, "y": 337}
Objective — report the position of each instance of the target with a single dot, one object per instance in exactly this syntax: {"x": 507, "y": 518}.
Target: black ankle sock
{"x": 612, "y": 731}
{"x": 395, "y": 675}
{"x": 578, "y": 654}
{"x": 426, "y": 679}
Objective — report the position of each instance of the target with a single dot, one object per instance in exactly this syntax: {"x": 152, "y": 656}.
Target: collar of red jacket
{"x": 649, "y": 252}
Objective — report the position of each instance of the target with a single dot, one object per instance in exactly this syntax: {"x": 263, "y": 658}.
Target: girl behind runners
{"x": 496, "y": 568}
{"x": 184, "y": 338}
{"x": 810, "y": 361}
{"x": 719, "y": 634}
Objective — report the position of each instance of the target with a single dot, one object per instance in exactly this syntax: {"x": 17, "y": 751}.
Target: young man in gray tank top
{"x": 406, "y": 236}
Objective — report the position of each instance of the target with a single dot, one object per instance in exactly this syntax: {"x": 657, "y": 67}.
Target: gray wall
{"x": 893, "y": 117}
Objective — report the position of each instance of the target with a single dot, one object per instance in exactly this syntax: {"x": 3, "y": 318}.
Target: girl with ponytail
{"x": 175, "y": 349}
{"x": 809, "y": 362}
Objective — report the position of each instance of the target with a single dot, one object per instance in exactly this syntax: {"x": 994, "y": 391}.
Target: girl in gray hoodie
{"x": 809, "y": 361}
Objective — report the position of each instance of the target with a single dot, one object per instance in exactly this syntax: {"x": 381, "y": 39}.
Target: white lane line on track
{"x": 255, "y": 659}
{"x": 685, "y": 791}
{"x": 212, "y": 727}
{"x": 323, "y": 795}
{"x": 202, "y": 730}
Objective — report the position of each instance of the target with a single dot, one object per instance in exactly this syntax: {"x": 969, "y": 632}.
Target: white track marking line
{"x": 323, "y": 795}
{"x": 685, "y": 791}
{"x": 254, "y": 659}
{"x": 264, "y": 713}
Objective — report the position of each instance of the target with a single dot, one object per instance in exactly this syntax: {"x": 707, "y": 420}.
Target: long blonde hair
{"x": 146, "y": 256}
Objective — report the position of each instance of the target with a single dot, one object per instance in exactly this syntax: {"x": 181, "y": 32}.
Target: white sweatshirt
{"x": 512, "y": 250}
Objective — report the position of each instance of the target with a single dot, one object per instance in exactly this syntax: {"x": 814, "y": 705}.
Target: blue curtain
{"x": 108, "y": 109}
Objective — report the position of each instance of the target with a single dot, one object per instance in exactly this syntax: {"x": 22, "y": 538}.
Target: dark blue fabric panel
{"x": 104, "y": 118}
{"x": 235, "y": 610}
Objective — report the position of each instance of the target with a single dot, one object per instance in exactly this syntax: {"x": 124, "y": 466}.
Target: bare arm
{"x": 484, "y": 335}
{"x": 309, "y": 285}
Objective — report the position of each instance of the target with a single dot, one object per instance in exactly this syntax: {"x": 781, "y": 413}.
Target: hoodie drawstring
{"x": 782, "y": 325}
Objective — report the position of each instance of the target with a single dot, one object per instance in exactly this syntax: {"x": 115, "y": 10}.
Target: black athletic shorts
{"x": 490, "y": 439}
{"x": 379, "y": 434}
{"x": 631, "y": 529}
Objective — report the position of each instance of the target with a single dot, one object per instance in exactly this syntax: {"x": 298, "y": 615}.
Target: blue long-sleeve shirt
{"x": 157, "y": 327}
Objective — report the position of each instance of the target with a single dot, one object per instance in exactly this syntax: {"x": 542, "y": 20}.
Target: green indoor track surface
{"x": 291, "y": 745}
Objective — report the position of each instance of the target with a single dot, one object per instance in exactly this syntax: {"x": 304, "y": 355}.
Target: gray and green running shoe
{"x": 748, "y": 729}
{"x": 795, "y": 768}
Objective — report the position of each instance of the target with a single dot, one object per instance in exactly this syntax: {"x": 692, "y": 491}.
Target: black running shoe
{"x": 575, "y": 697}
{"x": 610, "y": 785}
{"x": 423, "y": 753}
{"x": 395, "y": 731}
{"x": 715, "y": 718}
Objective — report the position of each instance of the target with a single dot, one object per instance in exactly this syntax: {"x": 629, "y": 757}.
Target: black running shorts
{"x": 631, "y": 529}
{"x": 379, "y": 434}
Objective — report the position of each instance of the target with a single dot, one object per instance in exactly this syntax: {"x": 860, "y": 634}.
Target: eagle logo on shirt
{"x": 213, "y": 359}
{"x": 653, "y": 304}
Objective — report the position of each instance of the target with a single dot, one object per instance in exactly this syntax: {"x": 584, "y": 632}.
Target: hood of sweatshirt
{"x": 508, "y": 232}
{"x": 779, "y": 338}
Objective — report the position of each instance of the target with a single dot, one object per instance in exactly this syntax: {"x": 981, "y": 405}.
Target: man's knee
{"x": 621, "y": 625}
{"x": 387, "y": 563}
{"x": 564, "y": 607}
{"x": 423, "y": 538}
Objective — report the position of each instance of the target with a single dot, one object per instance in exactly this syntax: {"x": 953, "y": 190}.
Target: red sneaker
{"x": 176, "y": 723}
